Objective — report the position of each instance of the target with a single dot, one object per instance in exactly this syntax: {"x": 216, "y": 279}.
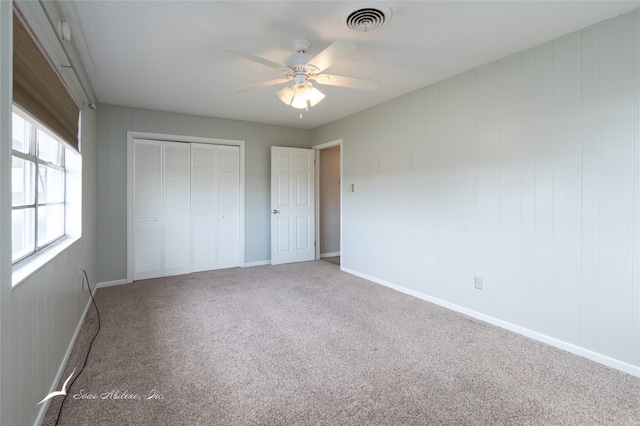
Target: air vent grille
{"x": 367, "y": 17}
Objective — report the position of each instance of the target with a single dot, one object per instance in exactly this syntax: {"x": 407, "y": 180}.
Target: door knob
{"x": 275, "y": 211}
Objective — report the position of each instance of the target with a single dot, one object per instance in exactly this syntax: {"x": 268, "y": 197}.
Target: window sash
{"x": 23, "y": 242}
{"x": 51, "y": 187}
{"x": 42, "y": 197}
{"x": 23, "y": 181}
{"x": 21, "y": 135}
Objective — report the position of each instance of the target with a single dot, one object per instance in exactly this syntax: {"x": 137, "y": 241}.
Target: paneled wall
{"x": 39, "y": 317}
{"x": 6, "y": 16}
{"x": 113, "y": 124}
{"x": 525, "y": 172}
{"x": 45, "y": 310}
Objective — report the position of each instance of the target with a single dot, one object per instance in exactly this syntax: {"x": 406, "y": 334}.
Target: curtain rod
{"x": 64, "y": 49}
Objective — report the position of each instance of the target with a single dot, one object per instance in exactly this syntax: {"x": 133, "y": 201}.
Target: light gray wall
{"x": 39, "y": 317}
{"x": 46, "y": 309}
{"x": 113, "y": 124}
{"x": 524, "y": 172}
{"x": 5, "y": 211}
{"x": 329, "y": 201}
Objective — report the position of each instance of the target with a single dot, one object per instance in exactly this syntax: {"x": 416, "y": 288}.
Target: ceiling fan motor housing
{"x": 301, "y": 45}
{"x": 298, "y": 62}
{"x": 297, "y": 59}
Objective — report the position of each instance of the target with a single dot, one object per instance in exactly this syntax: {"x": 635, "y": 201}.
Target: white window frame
{"x": 32, "y": 157}
{"x": 71, "y": 165}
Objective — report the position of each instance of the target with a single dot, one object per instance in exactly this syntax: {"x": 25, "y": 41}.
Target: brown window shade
{"x": 38, "y": 88}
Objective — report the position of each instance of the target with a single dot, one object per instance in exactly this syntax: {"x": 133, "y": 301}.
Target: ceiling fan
{"x": 301, "y": 69}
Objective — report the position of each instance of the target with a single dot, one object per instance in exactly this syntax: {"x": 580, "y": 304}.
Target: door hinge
{"x": 314, "y": 243}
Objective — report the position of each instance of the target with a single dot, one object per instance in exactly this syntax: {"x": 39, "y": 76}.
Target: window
{"x": 38, "y": 178}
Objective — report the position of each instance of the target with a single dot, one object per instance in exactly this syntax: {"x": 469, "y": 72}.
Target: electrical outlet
{"x": 85, "y": 284}
{"x": 478, "y": 283}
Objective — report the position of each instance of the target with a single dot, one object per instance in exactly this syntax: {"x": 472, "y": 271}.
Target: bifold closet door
{"x": 215, "y": 179}
{"x": 204, "y": 207}
{"x": 162, "y": 209}
{"x": 186, "y": 208}
{"x": 177, "y": 208}
{"x": 148, "y": 210}
{"x": 228, "y": 206}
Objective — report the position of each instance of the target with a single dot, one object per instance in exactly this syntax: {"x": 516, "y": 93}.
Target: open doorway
{"x": 328, "y": 201}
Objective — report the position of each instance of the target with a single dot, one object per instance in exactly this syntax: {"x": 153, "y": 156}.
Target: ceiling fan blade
{"x": 338, "y": 50}
{"x": 254, "y": 58}
{"x": 261, "y": 85}
{"x": 342, "y": 81}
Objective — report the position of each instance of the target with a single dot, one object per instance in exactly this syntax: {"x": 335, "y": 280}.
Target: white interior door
{"x": 292, "y": 204}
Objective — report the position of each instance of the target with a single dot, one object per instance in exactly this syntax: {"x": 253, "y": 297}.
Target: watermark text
{"x": 118, "y": 395}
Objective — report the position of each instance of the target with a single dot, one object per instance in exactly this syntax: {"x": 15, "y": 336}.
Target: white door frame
{"x": 337, "y": 142}
{"x": 131, "y": 135}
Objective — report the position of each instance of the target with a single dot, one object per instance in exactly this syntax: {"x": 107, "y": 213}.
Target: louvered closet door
{"x": 215, "y": 217}
{"x": 228, "y": 206}
{"x": 186, "y": 208}
{"x": 148, "y": 215}
{"x": 177, "y": 208}
{"x": 204, "y": 207}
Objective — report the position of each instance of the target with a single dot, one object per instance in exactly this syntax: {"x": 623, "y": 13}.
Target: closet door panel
{"x": 204, "y": 206}
{"x": 203, "y": 242}
{"x": 148, "y": 216}
{"x": 228, "y": 241}
{"x": 177, "y": 208}
{"x": 228, "y": 180}
{"x": 228, "y": 206}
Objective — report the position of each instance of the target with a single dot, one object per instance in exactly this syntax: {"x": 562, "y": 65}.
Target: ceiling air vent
{"x": 365, "y": 17}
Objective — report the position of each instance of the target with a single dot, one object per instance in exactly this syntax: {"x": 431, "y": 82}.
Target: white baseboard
{"x": 334, "y": 254}
{"x": 259, "y": 263}
{"x": 111, "y": 283}
{"x": 560, "y": 344}
{"x": 44, "y": 407}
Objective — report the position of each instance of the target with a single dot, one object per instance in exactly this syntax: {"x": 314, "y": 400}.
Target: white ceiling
{"x": 170, "y": 55}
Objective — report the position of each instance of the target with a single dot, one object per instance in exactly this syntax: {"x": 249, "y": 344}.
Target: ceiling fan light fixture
{"x": 315, "y": 96}
{"x": 300, "y": 96}
{"x": 286, "y": 95}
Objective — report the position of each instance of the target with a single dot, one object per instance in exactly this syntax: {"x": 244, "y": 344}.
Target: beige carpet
{"x": 306, "y": 344}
